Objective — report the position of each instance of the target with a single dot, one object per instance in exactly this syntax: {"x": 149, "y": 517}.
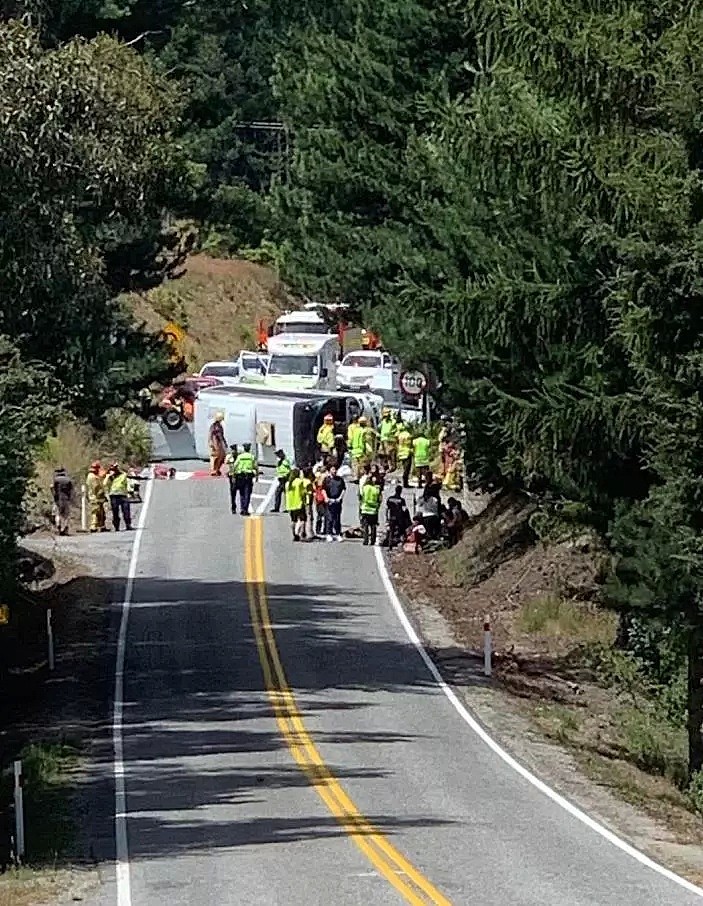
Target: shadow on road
{"x": 199, "y": 731}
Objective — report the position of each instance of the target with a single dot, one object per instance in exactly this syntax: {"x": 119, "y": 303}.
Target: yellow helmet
{"x": 386, "y": 411}
{"x": 363, "y": 420}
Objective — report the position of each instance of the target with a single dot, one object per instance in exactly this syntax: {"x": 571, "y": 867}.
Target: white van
{"x": 273, "y": 419}
{"x": 303, "y": 362}
{"x": 227, "y": 372}
{"x": 364, "y": 368}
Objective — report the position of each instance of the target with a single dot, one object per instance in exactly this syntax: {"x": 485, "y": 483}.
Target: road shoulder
{"x": 60, "y": 723}
{"x": 509, "y": 724}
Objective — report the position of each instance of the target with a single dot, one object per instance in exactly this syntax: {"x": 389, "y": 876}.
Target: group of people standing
{"x": 313, "y": 497}
{"x": 392, "y": 445}
{"x": 112, "y": 486}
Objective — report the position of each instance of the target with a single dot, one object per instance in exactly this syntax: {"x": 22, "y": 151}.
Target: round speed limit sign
{"x": 413, "y": 383}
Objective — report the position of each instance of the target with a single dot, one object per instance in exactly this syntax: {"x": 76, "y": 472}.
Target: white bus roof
{"x": 290, "y": 393}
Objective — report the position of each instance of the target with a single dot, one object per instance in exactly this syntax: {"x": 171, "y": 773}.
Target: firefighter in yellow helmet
{"x": 325, "y": 436}
{"x": 95, "y": 491}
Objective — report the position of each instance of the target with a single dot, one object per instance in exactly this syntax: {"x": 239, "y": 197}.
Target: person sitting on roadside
{"x": 429, "y": 511}
{"x": 455, "y": 520}
{"x": 415, "y": 537}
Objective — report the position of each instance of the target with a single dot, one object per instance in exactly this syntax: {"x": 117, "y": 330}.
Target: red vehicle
{"x": 177, "y": 401}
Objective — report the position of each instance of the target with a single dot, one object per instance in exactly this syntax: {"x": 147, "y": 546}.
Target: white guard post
{"x": 19, "y": 812}
{"x": 84, "y": 509}
{"x": 487, "y": 648}
{"x": 50, "y": 637}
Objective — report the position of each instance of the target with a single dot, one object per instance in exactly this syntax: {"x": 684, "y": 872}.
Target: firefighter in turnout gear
{"x": 95, "y": 490}
{"x": 325, "y": 436}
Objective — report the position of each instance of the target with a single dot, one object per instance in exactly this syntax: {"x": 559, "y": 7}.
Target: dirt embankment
{"x": 563, "y": 698}
{"x": 218, "y": 302}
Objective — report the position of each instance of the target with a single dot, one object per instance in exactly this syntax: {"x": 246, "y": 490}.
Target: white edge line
{"x": 124, "y": 892}
{"x": 507, "y": 758}
{"x": 263, "y": 506}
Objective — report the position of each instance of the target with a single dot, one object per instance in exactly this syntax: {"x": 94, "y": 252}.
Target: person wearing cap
{"x": 405, "y": 452}
{"x": 371, "y": 496}
{"x": 325, "y": 436}
{"x": 117, "y": 488}
{"x": 283, "y": 470}
{"x": 295, "y": 503}
{"x": 359, "y": 457}
{"x": 217, "y": 444}
{"x": 352, "y": 428}
{"x": 389, "y": 439}
{"x": 95, "y": 491}
{"x": 246, "y": 469}
{"x": 230, "y": 460}
{"x": 421, "y": 457}
{"x": 369, "y": 438}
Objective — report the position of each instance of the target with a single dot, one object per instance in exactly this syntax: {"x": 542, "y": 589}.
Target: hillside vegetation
{"x": 510, "y": 191}
{"x": 218, "y": 302}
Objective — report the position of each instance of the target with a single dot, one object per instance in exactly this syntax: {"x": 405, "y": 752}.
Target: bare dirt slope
{"x": 218, "y": 302}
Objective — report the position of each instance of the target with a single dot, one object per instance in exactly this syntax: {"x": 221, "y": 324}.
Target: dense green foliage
{"x": 510, "y": 191}
{"x": 86, "y": 169}
{"x": 525, "y": 216}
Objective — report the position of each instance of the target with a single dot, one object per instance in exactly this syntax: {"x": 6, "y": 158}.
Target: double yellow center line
{"x": 406, "y": 879}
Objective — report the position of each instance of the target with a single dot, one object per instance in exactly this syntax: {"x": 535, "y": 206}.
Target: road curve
{"x": 284, "y": 743}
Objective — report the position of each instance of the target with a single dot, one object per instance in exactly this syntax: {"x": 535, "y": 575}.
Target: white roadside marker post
{"x": 19, "y": 813}
{"x": 487, "y": 648}
{"x": 50, "y": 637}
{"x": 84, "y": 509}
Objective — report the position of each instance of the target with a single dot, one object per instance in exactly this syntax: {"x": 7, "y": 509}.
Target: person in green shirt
{"x": 358, "y": 447}
{"x": 246, "y": 470}
{"x": 117, "y": 489}
{"x": 389, "y": 439}
{"x": 370, "y": 506}
{"x": 295, "y": 503}
{"x": 405, "y": 452}
{"x": 421, "y": 456}
{"x": 283, "y": 470}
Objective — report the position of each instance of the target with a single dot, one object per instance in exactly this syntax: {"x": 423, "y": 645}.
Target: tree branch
{"x": 144, "y": 34}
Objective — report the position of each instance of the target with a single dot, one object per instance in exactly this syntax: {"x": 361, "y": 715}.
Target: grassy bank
{"x": 218, "y": 302}
{"x": 556, "y": 658}
{"x": 49, "y": 829}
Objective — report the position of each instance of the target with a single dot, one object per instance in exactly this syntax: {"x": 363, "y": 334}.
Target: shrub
{"x": 694, "y": 793}
{"x": 653, "y": 743}
{"x": 127, "y": 438}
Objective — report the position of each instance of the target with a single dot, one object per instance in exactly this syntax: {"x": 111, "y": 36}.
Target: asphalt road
{"x": 285, "y": 744}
